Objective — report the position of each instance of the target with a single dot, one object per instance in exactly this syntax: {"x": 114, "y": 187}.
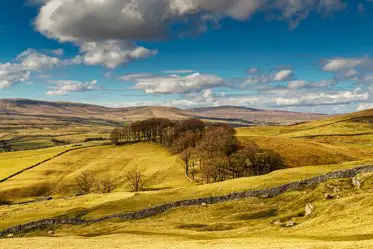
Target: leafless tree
{"x": 85, "y": 182}
{"x": 136, "y": 179}
{"x": 107, "y": 186}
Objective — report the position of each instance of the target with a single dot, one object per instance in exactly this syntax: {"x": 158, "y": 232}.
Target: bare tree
{"x": 107, "y": 186}
{"x": 85, "y": 182}
{"x": 136, "y": 179}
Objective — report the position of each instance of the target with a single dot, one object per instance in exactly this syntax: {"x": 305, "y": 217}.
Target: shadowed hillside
{"x": 25, "y": 110}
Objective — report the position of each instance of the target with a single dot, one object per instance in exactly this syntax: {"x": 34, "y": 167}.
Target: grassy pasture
{"x": 249, "y": 223}
{"x": 13, "y": 162}
{"x": 161, "y": 169}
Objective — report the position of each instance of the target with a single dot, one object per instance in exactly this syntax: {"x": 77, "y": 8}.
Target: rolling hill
{"x": 37, "y": 112}
{"x": 322, "y": 146}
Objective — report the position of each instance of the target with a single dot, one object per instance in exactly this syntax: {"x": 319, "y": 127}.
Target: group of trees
{"x": 212, "y": 150}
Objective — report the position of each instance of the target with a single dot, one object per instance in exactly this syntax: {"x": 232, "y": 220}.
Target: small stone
{"x": 51, "y": 232}
{"x": 10, "y": 236}
{"x": 356, "y": 183}
{"x": 328, "y": 196}
{"x": 336, "y": 190}
{"x": 309, "y": 209}
{"x": 277, "y": 222}
{"x": 204, "y": 204}
{"x": 290, "y": 223}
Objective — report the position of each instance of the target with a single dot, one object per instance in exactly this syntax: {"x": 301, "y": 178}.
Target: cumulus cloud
{"x": 33, "y": 60}
{"x": 364, "y": 106}
{"x": 64, "y": 87}
{"x": 175, "y": 83}
{"x": 297, "y": 84}
{"x": 113, "y": 53}
{"x": 11, "y": 74}
{"x": 93, "y": 20}
{"x": 315, "y": 99}
{"x": 343, "y": 64}
{"x": 107, "y": 31}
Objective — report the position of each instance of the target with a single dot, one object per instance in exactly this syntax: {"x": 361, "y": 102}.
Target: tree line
{"x": 210, "y": 152}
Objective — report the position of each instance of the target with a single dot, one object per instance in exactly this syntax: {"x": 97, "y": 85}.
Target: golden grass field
{"x": 308, "y": 149}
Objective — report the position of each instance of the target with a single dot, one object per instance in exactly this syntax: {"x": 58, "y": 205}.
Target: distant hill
{"x": 255, "y": 115}
{"x": 35, "y": 111}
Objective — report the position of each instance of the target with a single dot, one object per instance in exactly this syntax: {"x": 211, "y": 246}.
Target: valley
{"x": 38, "y": 183}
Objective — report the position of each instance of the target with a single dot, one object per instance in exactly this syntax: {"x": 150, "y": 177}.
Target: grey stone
{"x": 309, "y": 209}
{"x": 356, "y": 182}
{"x": 289, "y": 223}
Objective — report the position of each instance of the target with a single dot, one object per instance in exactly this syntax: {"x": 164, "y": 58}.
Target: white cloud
{"x": 296, "y": 84}
{"x": 113, "y": 53}
{"x": 107, "y": 31}
{"x": 314, "y": 99}
{"x": 364, "y": 106}
{"x": 35, "y": 61}
{"x": 278, "y": 76}
{"x": 175, "y": 83}
{"x": 64, "y": 87}
{"x": 58, "y": 51}
{"x": 11, "y": 74}
{"x": 343, "y": 64}
{"x": 93, "y": 20}
{"x": 282, "y": 75}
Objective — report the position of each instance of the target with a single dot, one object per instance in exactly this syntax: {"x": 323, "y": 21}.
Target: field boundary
{"x": 46, "y": 160}
{"x": 145, "y": 213}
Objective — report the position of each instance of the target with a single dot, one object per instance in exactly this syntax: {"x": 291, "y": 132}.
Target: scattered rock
{"x": 356, "y": 183}
{"x": 328, "y": 196}
{"x": 277, "y": 222}
{"x": 44, "y": 198}
{"x": 220, "y": 189}
{"x": 10, "y": 236}
{"x": 336, "y": 190}
{"x": 51, "y": 232}
{"x": 204, "y": 204}
{"x": 289, "y": 223}
{"x": 309, "y": 209}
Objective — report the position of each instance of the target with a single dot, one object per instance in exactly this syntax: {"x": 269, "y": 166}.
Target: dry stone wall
{"x": 145, "y": 213}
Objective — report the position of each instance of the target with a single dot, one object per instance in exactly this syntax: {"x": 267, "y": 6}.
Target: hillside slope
{"x": 25, "y": 109}
{"x": 160, "y": 168}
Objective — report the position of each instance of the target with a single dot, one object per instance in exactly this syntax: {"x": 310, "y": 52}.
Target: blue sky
{"x": 308, "y": 55}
